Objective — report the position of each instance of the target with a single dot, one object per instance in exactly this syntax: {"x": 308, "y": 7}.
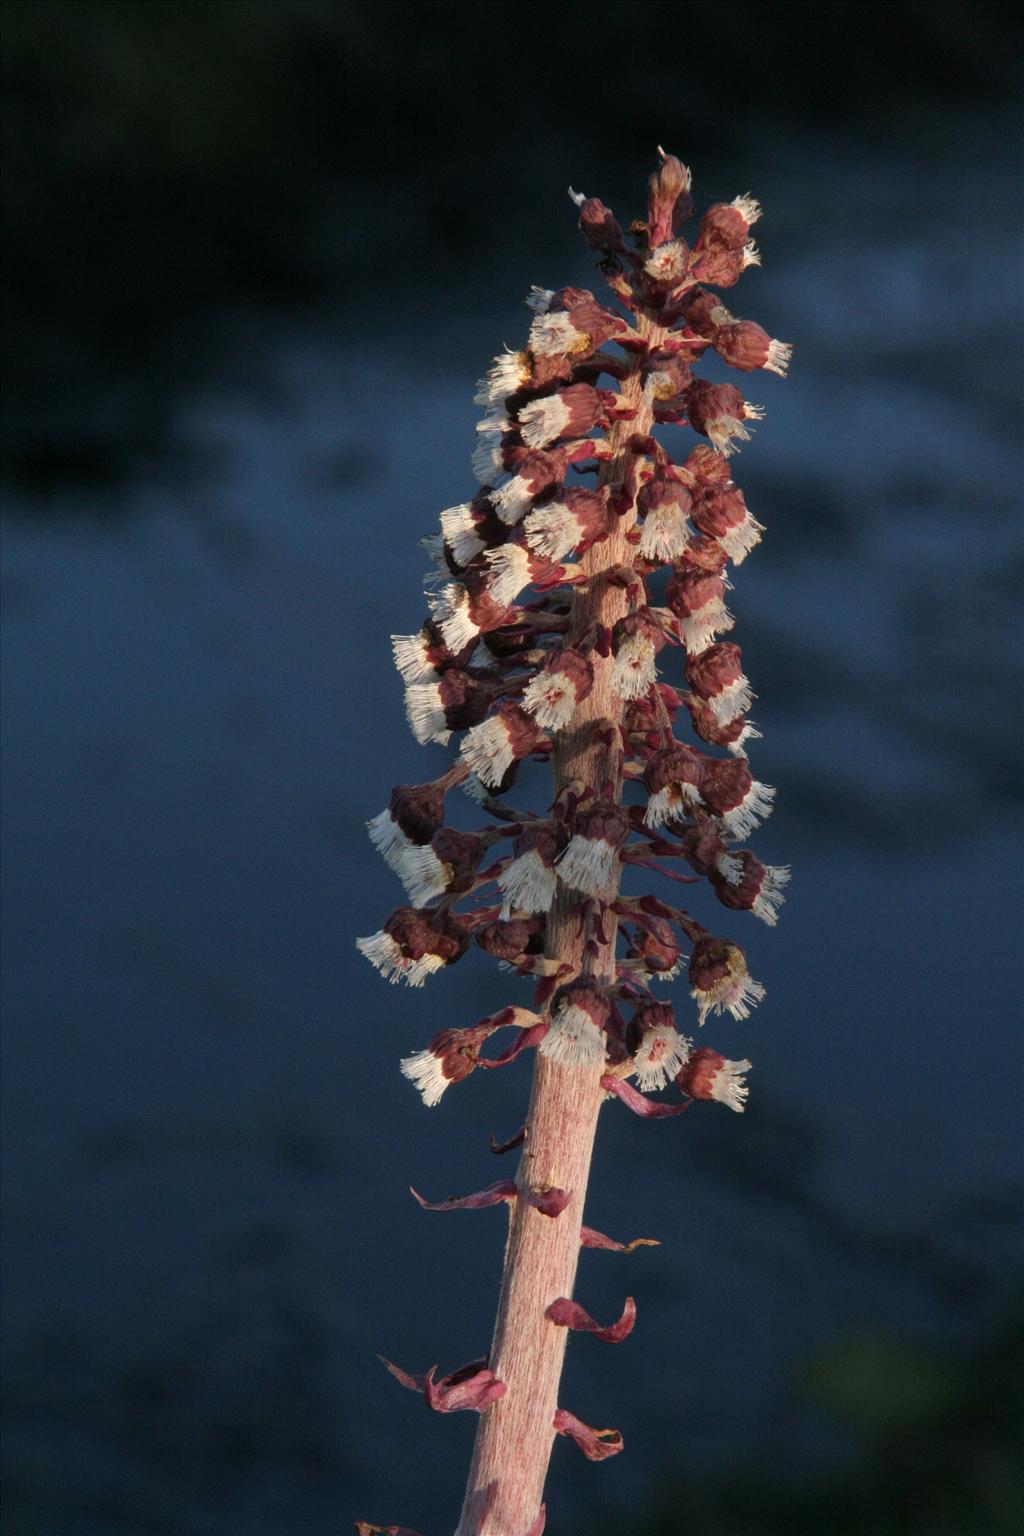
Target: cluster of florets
{"x": 498, "y": 662}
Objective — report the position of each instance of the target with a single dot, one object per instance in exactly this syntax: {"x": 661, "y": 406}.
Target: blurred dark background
{"x": 256, "y": 256}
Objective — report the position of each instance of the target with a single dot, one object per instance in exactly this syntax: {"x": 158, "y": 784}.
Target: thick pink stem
{"x": 514, "y": 1440}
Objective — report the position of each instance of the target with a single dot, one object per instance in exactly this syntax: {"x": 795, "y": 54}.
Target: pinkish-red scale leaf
{"x": 638, "y": 1102}
{"x": 473, "y": 1386}
{"x": 569, "y": 1314}
{"x": 494, "y": 1194}
{"x": 596, "y": 1444}
{"x": 590, "y": 1238}
{"x": 550, "y": 1201}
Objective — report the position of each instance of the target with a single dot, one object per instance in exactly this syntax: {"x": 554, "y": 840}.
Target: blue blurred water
{"x": 207, "y": 1140}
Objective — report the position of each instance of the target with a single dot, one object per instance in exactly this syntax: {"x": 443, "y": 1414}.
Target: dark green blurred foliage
{"x": 942, "y": 1436}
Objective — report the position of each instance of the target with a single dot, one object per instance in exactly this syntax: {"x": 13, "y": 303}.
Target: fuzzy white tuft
{"x": 751, "y": 256}
{"x": 779, "y": 354}
{"x": 771, "y": 895}
{"x": 661, "y": 1055}
{"x": 553, "y": 530}
{"x": 543, "y": 421}
{"x": 670, "y": 804}
{"x": 510, "y": 572}
{"x": 512, "y": 500}
{"x": 699, "y": 630}
{"x": 510, "y": 371}
{"x": 487, "y": 748}
{"x": 539, "y": 299}
{"x": 736, "y": 995}
{"x": 589, "y": 865}
{"x": 749, "y": 207}
{"x": 486, "y": 458}
{"x": 458, "y": 627}
{"x": 664, "y": 534}
{"x": 739, "y": 541}
{"x": 528, "y": 885}
{"x": 423, "y": 875}
{"x": 410, "y": 653}
{"x": 459, "y": 530}
{"x": 388, "y": 839}
{"x": 384, "y": 954}
{"x": 730, "y": 868}
{"x": 552, "y": 334}
{"x": 573, "y": 1039}
{"x": 748, "y": 733}
{"x": 735, "y": 699}
{"x": 724, "y": 432}
{"x": 426, "y": 1072}
{"x": 634, "y": 671}
{"x": 754, "y": 808}
{"x": 729, "y": 1087}
{"x": 551, "y": 699}
{"x": 425, "y": 713}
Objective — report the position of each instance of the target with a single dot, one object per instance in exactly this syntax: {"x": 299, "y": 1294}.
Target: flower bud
{"x": 669, "y": 203}
{"x": 569, "y": 413}
{"x": 576, "y": 521}
{"x": 412, "y": 944}
{"x": 674, "y": 780}
{"x": 737, "y": 799}
{"x": 579, "y": 1016}
{"x": 660, "y": 1050}
{"x": 528, "y": 883}
{"x": 563, "y": 682}
{"x": 720, "y": 981}
{"x": 491, "y": 748}
{"x": 718, "y": 412}
{"x": 697, "y": 598}
{"x": 664, "y": 505}
{"x": 707, "y": 1075}
{"x": 746, "y": 346}
{"x": 591, "y": 861}
{"x": 722, "y": 514}
{"x": 716, "y": 676}
{"x": 742, "y": 882}
{"x": 636, "y": 641}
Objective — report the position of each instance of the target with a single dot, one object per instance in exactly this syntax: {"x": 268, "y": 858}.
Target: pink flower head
{"x": 509, "y": 938}
{"x": 491, "y": 748}
{"x": 448, "y": 863}
{"x": 590, "y": 862}
{"x": 659, "y": 1050}
{"x": 569, "y": 413}
{"x": 636, "y": 641}
{"x": 718, "y": 412}
{"x": 579, "y": 1017}
{"x": 425, "y": 654}
{"x": 726, "y": 226}
{"x": 455, "y": 702}
{"x": 664, "y": 505}
{"x": 669, "y": 203}
{"x": 742, "y": 882}
{"x": 720, "y": 981}
{"x": 528, "y": 883}
{"x": 674, "y": 779}
{"x": 697, "y": 598}
{"x": 744, "y": 345}
{"x": 563, "y": 682}
{"x": 722, "y": 514}
{"x": 707, "y": 1075}
{"x": 413, "y": 944}
{"x": 601, "y": 229}
{"x": 575, "y": 521}
{"x": 716, "y": 676}
{"x": 467, "y": 608}
{"x": 414, "y": 813}
{"x": 735, "y": 797}
{"x": 734, "y": 735}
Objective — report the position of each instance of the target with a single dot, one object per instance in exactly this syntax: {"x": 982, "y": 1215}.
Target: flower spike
{"x": 579, "y": 615}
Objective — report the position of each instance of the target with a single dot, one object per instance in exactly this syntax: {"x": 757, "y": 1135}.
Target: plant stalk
{"x": 516, "y": 1433}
